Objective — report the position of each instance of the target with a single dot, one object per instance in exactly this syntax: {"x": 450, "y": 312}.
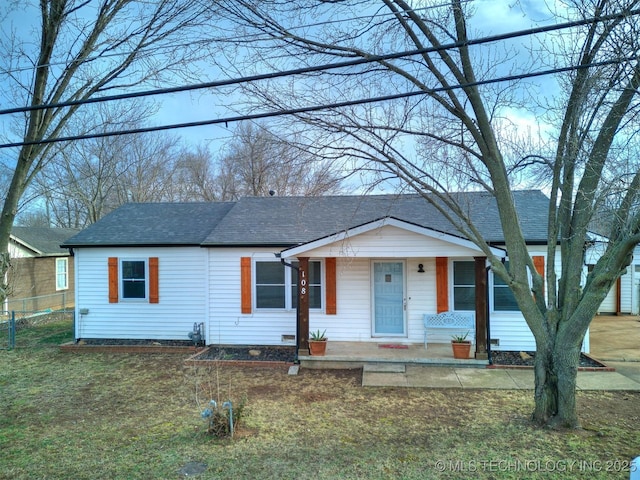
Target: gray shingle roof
{"x": 289, "y": 221}
{"x": 146, "y": 224}
{"x": 44, "y": 241}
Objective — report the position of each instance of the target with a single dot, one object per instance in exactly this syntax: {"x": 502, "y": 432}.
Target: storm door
{"x": 388, "y": 299}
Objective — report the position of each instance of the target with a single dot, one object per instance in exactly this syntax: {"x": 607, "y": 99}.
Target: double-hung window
{"x": 464, "y": 285}
{"x": 134, "y": 279}
{"x": 270, "y": 285}
{"x": 276, "y": 285}
{"x": 62, "y": 274}
{"x": 503, "y": 299}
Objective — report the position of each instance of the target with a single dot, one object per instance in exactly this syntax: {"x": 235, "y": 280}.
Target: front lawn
{"x": 88, "y": 416}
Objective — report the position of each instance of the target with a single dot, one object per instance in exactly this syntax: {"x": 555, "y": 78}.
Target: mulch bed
{"x": 236, "y": 353}
{"x": 132, "y": 342}
{"x": 248, "y": 353}
{"x": 286, "y": 354}
{"x": 526, "y": 359}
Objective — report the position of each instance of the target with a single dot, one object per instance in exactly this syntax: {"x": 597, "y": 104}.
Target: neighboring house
{"x": 624, "y": 297}
{"x": 41, "y": 274}
{"x": 374, "y": 266}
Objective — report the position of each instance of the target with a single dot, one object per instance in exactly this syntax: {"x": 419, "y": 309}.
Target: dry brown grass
{"x": 93, "y": 416}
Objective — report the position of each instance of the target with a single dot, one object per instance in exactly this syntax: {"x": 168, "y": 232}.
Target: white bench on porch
{"x": 451, "y": 323}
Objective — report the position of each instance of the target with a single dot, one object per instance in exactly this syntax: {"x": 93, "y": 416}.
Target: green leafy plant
{"x": 460, "y": 338}
{"x": 318, "y": 337}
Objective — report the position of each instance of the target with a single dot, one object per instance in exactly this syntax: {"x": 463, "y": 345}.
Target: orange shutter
{"x": 245, "y": 285}
{"x": 442, "y": 284}
{"x": 330, "y": 286}
{"x": 538, "y": 263}
{"x": 154, "y": 296}
{"x": 113, "y": 280}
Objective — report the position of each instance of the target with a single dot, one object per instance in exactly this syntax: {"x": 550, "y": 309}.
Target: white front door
{"x": 388, "y": 299}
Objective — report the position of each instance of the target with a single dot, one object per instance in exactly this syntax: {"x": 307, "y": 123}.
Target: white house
{"x": 624, "y": 296}
{"x": 373, "y": 265}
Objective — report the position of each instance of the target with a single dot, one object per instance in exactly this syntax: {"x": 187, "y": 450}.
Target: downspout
{"x": 296, "y": 360}
{"x": 488, "y": 320}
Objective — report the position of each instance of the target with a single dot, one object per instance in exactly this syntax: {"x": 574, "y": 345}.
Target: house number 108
{"x": 303, "y": 283}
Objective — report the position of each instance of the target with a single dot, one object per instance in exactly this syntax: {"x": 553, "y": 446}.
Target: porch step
{"x": 384, "y": 368}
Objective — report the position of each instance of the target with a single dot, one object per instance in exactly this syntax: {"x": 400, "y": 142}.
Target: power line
{"x": 244, "y": 38}
{"x": 295, "y": 111}
{"x": 324, "y": 67}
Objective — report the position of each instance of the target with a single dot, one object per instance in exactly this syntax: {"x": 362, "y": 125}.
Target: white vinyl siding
{"x": 227, "y": 325}
{"x": 353, "y": 319}
{"x": 391, "y": 242}
{"x": 182, "y": 291}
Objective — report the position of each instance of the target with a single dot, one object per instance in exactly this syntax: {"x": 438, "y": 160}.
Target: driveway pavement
{"x": 615, "y": 338}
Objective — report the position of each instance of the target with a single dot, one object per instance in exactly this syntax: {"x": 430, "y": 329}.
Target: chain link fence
{"x": 22, "y": 329}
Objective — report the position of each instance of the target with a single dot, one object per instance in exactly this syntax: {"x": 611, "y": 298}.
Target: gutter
{"x": 488, "y": 319}
{"x": 296, "y": 359}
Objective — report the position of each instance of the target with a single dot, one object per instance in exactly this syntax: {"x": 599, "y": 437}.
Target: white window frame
{"x": 492, "y": 297}
{"x": 65, "y": 274}
{"x": 288, "y": 285}
{"x": 122, "y": 280}
{"x": 453, "y": 285}
{"x": 490, "y": 286}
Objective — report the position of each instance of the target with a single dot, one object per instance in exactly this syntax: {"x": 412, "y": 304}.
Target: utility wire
{"x": 244, "y": 38}
{"x": 295, "y": 111}
{"x": 325, "y": 67}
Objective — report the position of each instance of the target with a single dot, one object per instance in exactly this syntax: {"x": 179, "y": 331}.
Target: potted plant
{"x": 317, "y": 343}
{"x": 461, "y": 346}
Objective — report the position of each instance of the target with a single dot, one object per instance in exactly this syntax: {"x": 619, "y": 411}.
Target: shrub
{"x": 218, "y": 417}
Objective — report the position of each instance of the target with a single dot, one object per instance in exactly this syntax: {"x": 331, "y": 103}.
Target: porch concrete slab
{"x": 384, "y": 368}
{"x": 432, "y": 377}
{"x": 379, "y": 379}
{"x": 605, "y": 381}
{"x": 485, "y": 379}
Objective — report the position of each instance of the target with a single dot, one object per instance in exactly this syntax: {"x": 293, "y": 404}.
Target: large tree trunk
{"x": 556, "y": 371}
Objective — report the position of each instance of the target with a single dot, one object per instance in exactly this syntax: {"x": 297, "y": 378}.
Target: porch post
{"x": 303, "y": 305}
{"x": 481, "y": 308}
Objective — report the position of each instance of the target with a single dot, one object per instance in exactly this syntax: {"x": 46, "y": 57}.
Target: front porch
{"x": 342, "y": 355}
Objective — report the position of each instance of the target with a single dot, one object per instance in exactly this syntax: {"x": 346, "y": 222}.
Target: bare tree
{"x": 91, "y": 177}
{"x": 194, "y": 178}
{"x": 84, "y": 49}
{"x": 458, "y": 125}
{"x": 258, "y": 163}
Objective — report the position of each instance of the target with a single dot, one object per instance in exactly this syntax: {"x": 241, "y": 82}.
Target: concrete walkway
{"x": 626, "y": 377}
{"x": 615, "y": 341}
